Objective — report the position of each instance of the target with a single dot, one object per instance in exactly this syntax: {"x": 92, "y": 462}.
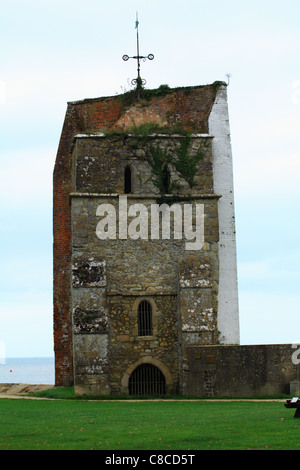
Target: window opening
{"x": 147, "y": 379}
{"x": 127, "y": 180}
{"x": 145, "y": 318}
{"x": 166, "y": 179}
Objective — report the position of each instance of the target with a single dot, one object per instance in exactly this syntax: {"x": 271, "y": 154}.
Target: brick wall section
{"x": 79, "y": 117}
{"x": 188, "y": 106}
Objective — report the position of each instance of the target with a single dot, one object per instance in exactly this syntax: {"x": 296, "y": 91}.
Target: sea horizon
{"x": 28, "y": 370}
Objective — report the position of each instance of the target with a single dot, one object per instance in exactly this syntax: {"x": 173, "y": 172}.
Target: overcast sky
{"x": 55, "y": 51}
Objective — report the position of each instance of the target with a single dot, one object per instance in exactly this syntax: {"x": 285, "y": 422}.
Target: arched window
{"x": 145, "y": 318}
{"x": 127, "y": 180}
{"x": 147, "y": 379}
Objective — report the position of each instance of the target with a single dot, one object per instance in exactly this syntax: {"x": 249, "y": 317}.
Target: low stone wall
{"x": 252, "y": 370}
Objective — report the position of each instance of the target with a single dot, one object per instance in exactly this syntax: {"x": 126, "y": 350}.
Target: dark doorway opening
{"x": 147, "y": 379}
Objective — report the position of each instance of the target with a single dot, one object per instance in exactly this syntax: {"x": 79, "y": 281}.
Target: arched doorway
{"x": 147, "y": 379}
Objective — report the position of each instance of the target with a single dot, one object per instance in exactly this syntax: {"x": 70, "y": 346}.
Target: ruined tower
{"x": 144, "y": 240}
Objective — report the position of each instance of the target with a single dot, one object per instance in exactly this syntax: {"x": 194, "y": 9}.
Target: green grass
{"x": 162, "y": 425}
{"x": 68, "y": 393}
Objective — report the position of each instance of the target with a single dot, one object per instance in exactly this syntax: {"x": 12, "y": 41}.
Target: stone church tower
{"x": 144, "y": 240}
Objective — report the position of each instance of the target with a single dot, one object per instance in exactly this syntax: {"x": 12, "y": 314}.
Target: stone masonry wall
{"x": 111, "y": 276}
{"x": 105, "y": 113}
{"x": 189, "y": 107}
{"x": 250, "y": 370}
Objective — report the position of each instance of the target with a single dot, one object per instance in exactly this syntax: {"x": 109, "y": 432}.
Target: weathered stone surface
{"x": 89, "y": 273}
{"x": 99, "y": 163}
{"x": 195, "y": 271}
{"x": 252, "y": 370}
{"x": 111, "y": 254}
{"x": 91, "y": 363}
{"x": 180, "y": 284}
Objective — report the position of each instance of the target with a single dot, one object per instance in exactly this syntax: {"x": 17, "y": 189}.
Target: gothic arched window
{"x": 145, "y": 318}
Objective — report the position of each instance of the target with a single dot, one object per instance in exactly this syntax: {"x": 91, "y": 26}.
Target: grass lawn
{"x": 163, "y": 425}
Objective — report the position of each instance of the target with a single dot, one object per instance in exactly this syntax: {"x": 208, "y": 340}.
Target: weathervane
{"x": 139, "y": 82}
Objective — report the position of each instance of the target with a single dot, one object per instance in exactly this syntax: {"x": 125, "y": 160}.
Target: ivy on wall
{"x": 162, "y": 159}
{"x": 159, "y": 160}
{"x": 185, "y": 164}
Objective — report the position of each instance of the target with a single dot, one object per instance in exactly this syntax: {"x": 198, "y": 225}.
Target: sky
{"x": 52, "y": 52}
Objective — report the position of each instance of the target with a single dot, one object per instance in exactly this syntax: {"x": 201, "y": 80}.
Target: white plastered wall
{"x": 228, "y": 308}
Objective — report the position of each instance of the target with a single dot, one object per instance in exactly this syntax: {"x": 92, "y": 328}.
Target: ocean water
{"x": 28, "y": 370}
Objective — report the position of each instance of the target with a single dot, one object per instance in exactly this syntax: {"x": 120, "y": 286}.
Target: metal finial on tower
{"x": 139, "y": 82}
